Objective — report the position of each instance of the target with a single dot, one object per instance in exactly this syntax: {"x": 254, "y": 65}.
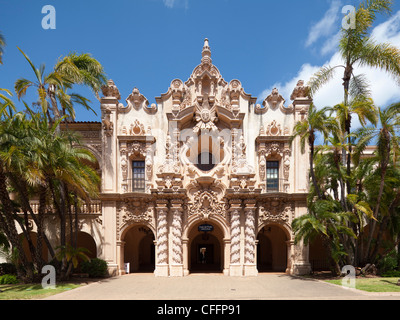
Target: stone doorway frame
{"x": 216, "y": 221}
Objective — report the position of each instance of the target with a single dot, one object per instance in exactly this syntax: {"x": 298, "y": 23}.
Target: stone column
{"x": 162, "y": 240}
{"x": 227, "y": 258}
{"x": 235, "y": 266}
{"x": 250, "y": 267}
{"x": 185, "y": 243}
{"x": 121, "y": 257}
{"x": 300, "y": 265}
{"x": 176, "y": 268}
{"x": 290, "y": 256}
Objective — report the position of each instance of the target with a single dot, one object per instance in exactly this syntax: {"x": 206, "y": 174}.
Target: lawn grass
{"x": 31, "y": 291}
{"x": 375, "y": 284}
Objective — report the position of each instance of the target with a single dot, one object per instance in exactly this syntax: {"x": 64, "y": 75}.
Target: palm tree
{"x": 5, "y": 95}
{"x": 52, "y": 88}
{"x": 72, "y": 256}
{"x": 358, "y": 49}
{"x": 307, "y": 129}
{"x": 326, "y": 219}
{"x": 388, "y": 147}
{"x": 2, "y": 45}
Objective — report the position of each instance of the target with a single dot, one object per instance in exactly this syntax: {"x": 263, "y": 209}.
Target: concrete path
{"x": 215, "y": 287}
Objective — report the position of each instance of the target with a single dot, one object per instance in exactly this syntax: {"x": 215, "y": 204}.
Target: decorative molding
{"x": 110, "y": 90}
{"x": 162, "y": 232}
{"x": 300, "y": 91}
{"x": 108, "y": 125}
{"x": 274, "y": 100}
{"x": 206, "y": 204}
{"x": 135, "y": 211}
{"x": 235, "y": 231}
{"x": 136, "y": 99}
{"x": 206, "y": 115}
{"x": 277, "y": 210}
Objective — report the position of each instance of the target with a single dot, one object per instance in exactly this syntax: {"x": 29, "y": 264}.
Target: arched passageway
{"x": 85, "y": 240}
{"x": 139, "y": 249}
{"x": 206, "y": 249}
{"x": 272, "y": 250}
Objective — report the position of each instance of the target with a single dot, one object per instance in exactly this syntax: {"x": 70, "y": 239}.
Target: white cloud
{"x": 326, "y": 26}
{"x": 172, "y": 3}
{"x": 384, "y": 88}
{"x": 169, "y": 3}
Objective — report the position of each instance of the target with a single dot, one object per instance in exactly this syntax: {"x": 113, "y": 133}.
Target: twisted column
{"x": 250, "y": 268}
{"x": 177, "y": 249}
{"x": 250, "y": 234}
{"x": 235, "y": 232}
{"x": 162, "y": 239}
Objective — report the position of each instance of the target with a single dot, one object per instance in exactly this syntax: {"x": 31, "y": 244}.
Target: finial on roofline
{"x": 206, "y": 52}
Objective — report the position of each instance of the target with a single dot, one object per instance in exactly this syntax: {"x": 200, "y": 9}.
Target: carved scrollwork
{"x": 276, "y": 210}
{"x": 206, "y": 204}
{"x": 129, "y": 212}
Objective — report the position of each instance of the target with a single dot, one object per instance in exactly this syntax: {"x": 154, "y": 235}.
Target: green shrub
{"x": 8, "y": 279}
{"x": 391, "y": 274}
{"x": 388, "y": 263}
{"x": 95, "y": 268}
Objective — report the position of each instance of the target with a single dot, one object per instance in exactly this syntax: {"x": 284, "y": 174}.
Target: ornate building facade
{"x": 204, "y": 180}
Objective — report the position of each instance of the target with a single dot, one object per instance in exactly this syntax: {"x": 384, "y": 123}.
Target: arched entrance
{"x": 272, "y": 250}
{"x": 206, "y": 249}
{"x": 85, "y": 240}
{"x": 139, "y": 249}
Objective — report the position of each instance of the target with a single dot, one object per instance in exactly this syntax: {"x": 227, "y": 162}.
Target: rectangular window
{"x": 138, "y": 176}
{"x": 273, "y": 176}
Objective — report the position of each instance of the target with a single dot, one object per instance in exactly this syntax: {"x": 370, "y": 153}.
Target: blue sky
{"x": 148, "y": 43}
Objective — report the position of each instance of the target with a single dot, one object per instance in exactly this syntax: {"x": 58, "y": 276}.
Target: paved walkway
{"x": 215, "y": 287}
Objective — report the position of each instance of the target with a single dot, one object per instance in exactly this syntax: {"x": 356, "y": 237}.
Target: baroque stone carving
{"x": 108, "y": 125}
{"x": 274, "y": 100}
{"x": 274, "y": 149}
{"x": 134, "y": 212}
{"x": 300, "y": 91}
{"x": 250, "y": 235}
{"x": 206, "y": 204}
{"x": 162, "y": 235}
{"x": 136, "y": 99}
{"x": 235, "y": 235}
{"x": 276, "y": 210}
{"x": 273, "y": 129}
{"x": 171, "y": 163}
{"x": 177, "y": 251}
{"x": 137, "y": 150}
{"x": 135, "y": 129}
{"x": 206, "y": 116}
{"x": 111, "y": 90}
{"x": 240, "y": 163}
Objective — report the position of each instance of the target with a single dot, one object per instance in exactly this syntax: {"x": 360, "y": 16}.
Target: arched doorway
{"x": 272, "y": 252}
{"x": 139, "y": 249}
{"x": 206, "y": 250}
{"x": 85, "y": 240}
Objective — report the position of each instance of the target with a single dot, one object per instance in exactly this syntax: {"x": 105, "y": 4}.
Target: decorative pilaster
{"x": 120, "y": 257}
{"x": 162, "y": 239}
{"x": 250, "y": 268}
{"x": 176, "y": 269}
{"x": 300, "y": 263}
{"x": 235, "y": 266}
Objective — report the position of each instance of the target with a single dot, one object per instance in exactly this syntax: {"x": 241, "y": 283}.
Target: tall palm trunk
{"x": 384, "y": 165}
{"x": 9, "y": 228}
{"x": 311, "y": 141}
